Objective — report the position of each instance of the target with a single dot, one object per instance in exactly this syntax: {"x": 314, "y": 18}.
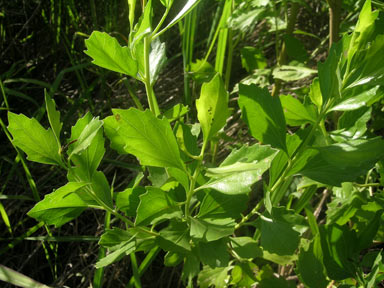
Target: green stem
{"x": 160, "y": 23}
{"x": 249, "y": 215}
{"x": 193, "y": 181}
{"x": 145, "y": 264}
{"x": 136, "y": 275}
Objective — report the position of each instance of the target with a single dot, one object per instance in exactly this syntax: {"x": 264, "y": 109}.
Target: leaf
{"x": 329, "y": 75}
{"x": 360, "y": 100}
{"x": 244, "y": 274}
{"x": 211, "y": 229}
{"x": 252, "y": 58}
{"x": 176, "y": 112}
{"x": 39, "y": 144}
{"x": 366, "y": 236}
{"x": 352, "y": 124}
{"x": 125, "y": 248}
{"x": 167, "y": 3}
{"x": 98, "y": 184}
{"x": 219, "y": 205}
{"x": 214, "y": 254}
{"x": 107, "y": 53}
{"x": 112, "y": 238}
{"x": 175, "y": 238}
{"x": 315, "y": 94}
{"x": 156, "y": 205}
{"x": 295, "y": 48}
{"x": 216, "y": 277}
{"x": 212, "y": 107}
{"x": 186, "y": 140}
{"x": 53, "y": 117}
{"x": 292, "y": 73}
{"x": 20, "y": 280}
{"x": 90, "y": 158}
{"x": 182, "y": 13}
{"x": 217, "y": 215}
{"x": 280, "y": 234}
{"x": 263, "y": 115}
{"x": 339, "y": 245}
{"x": 246, "y": 247}
{"x": 128, "y": 200}
{"x": 157, "y": 59}
{"x": 372, "y": 276}
{"x": 295, "y": 112}
{"x": 86, "y": 136}
{"x": 310, "y": 268}
{"x": 60, "y": 206}
{"x": 238, "y": 177}
{"x": 343, "y": 162}
{"x": 140, "y": 133}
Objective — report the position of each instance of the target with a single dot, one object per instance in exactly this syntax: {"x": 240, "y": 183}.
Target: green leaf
{"x": 175, "y": 238}
{"x": 86, "y": 136}
{"x": 19, "y": 280}
{"x": 280, "y": 234}
{"x": 53, "y": 117}
{"x": 252, "y": 58}
{"x": 217, "y": 215}
{"x": 343, "y": 162}
{"x": 191, "y": 268}
{"x": 214, "y": 254}
{"x": 167, "y": 3}
{"x": 244, "y": 274}
{"x": 315, "y": 94}
{"x": 172, "y": 259}
{"x": 246, "y": 247}
{"x": 352, "y": 124}
{"x": 98, "y": 184}
{"x": 156, "y": 205}
{"x": 310, "y": 268}
{"x": 112, "y": 238}
{"x": 189, "y": 5}
{"x": 212, "y": 107}
{"x": 39, "y": 144}
{"x": 60, "y": 206}
{"x": 329, "y": 75}
{"x": 216, "y": 277}
{"x": 140, "y": 133}
{"x": 89, "y": 159}
{"x": 236, "y": 177}
{"x": 295, "y": 48}
{"x": 128, "y": 200}
{"x": 339, "y": 245}
{"x": 107, "y": 53}
{"x": 363, "y": 99}
{"x": 186, "y": 140}
{"x": 217, "y": 205}
{"x": 211, "y": 229}
{"x": 176, "y": 112}
{"x": 125, "y": 248}
{"x": 295, "y": 112}
{"x": 372, "y": 276}
{"x": 263, "y": 115}
{"x": 292, "y": 73}
{"x": 366, "y": 236}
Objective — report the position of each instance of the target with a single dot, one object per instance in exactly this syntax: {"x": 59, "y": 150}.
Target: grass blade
{"x": 18, "y": 279}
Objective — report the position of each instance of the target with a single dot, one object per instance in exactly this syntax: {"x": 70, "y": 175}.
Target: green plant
{"x": 202, "y": 216}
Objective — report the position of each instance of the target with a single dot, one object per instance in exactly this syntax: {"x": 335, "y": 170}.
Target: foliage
{"x": 199, "y": 213}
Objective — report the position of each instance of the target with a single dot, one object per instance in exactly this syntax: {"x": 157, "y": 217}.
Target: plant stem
{"x": 136, "y": 275}
{"x": 196, "y": 174}
{"x": 282, "y": 58}
{"x": 334, "y": 20}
